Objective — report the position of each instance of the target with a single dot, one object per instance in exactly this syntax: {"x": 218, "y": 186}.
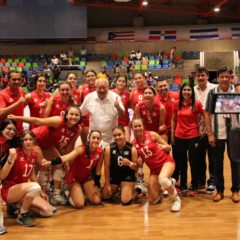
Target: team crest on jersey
{"x": 114, "y": 151}
{"x": 10, "y": 100}
{"x": 21, "y": 158}
{"x": 126, "y": 152}
{"x": 62, "y": 130}
{"x": 154, "y": 114}
{"x": 35, "y": 100}
{"x": 144, "y": 113}
{"x": 137, "y": 146}
{"x": 57, "y": 105}
{"x": 97, "y": 156}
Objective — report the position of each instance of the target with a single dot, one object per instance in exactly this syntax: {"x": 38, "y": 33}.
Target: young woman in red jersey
{"x": 137, "y": 92}
{"x": 8, "y": 130}
{"x": 58, "y": 104}
{"x": 185, "y": 136}
{"x": 125, "y": 97}
{"x": 55, "y": 136}
{"x": 120, "y": 162}
{"x": 16, "y": 186}
{"x": 154, "y": 151}
{"x": 152, "y": 114}
{"x": 79, "y": 176}
{"x": 72, "y": 79}
{"x": 90, "y": 77}
{"x": 37, "y": 99}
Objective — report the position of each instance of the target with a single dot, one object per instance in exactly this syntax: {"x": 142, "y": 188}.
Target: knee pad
{"x": 71, "y": 202}
{"x": 165, "y": 182}
{"x": 58, "y": 175}
{"x": 34, "y": 190}
{"x": 42, "y": 177}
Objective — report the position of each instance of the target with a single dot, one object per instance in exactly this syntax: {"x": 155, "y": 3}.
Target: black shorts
{"x": 116, "y": 180}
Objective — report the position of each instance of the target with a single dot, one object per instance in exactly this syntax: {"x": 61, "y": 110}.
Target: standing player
{"x": 154, "y": 152}
{"x": 16, "y": 185}
{"x": 125, "y": 97}
{"x": 37, "y": 99}
{"x": 120, "y": 162}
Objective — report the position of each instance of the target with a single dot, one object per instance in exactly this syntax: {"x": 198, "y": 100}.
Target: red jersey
{"x": 58, "y": 107}
{"x": 86, "y": 89}
{"x": 150, "y": 116}
{"x": 20, "y": 171}
{"x": 125, "y": 97}
{"x": 34, "y": 104}
{"x": 168, "y": 104}
{"x": 76, "y": 95}
{"x": 187, "y": 120}
{"x": 150, "y": 153}
{"x": 4, "y": 150}
{"x": 137, "y": 96}
{"x": 7, "y": 98}
{"x": 60, "y": 137}
{"x": 81, "y": 168}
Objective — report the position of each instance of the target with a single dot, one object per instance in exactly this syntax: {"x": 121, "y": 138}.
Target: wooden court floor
{"x": 199, "y": 219}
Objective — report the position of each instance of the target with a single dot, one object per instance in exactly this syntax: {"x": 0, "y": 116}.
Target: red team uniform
{"x": 60, "y": 137}
{"x": 168, "y": 104}
{"x": 34, "y": 104}
{"x": 81, "y": 168}
{"x": 76, "y": 96}
{"x": 4, "y": 150}
{"x": 125, "y": 97}
{"x": 151, "y": 154}
{"x": 58, "y": 107}
{"x": 20, "y": 171}
{"x": 7, "y": 98}
{"x": 150, "y": 116}
{"x": 85, "y": 91}
{"x": 137, "y": 96}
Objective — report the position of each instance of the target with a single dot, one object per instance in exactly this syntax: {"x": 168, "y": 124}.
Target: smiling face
{"x": 162, "y": 88}
{"x": 121, "y": 83}
{"x": 64, "y": 90}
{"x": 9, "y": 131}
{"x": 27, "y": 142}
{"x": 72, "y": 79}
{"x": 139, "y": 80}
{"x": 73, "y": 116}
{"x": 14, "y": 81}
{"x": 41, "y": 83}
{"x": 137, "y": 127}
{"x": 148, "y": 95}
{"x": 94, "y": 139}
{"x": 119, "y": 136}
{"x": 202, "y": 79}
{"x": 224, "y": 81}
{"x": 90, "y": 78}
{"x": 187, "y": 93}
{"x": 102, "y": 88}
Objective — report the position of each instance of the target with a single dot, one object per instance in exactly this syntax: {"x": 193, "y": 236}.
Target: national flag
{"x": 121, "y": 36}
{"x": 235, "y": 32}
{"x": 207, "y": 33}
{"x": 154, "y": 35}
{"x": 163, "y": 35}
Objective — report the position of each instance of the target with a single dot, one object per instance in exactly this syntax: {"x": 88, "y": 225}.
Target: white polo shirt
{"x": 103, "y": 114}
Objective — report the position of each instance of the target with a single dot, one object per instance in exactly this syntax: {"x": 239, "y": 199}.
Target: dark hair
{"x": 87, "y": 149}
{"x": 140, "y": 74}
{"x": 181, "y": 96}
{"x": 119, "y": 127}
{"x": 24, "y": 133}
{"x": 202, "y": 70}
{"x": 6, "y": 122}
{"x": 221, "y": 70}
{"x": 121, "y": 75}
{"x": 70, "y": 96}
{"x": 35, "y": 79}
{"x": 135, "y": 119}
{"x": 10, "y": 72}
{"x": 67, "y": 110}
{"x": 70, "y": 74}
{"x": 152, "y": 89}
{"x": 90, "y": 70}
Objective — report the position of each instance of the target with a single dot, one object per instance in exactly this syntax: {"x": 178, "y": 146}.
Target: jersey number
{"x": 146, "y": 152}
{"x": 28, "y": 170}
{"x": 64, "y": 141}
{"x": 119, "y": 161}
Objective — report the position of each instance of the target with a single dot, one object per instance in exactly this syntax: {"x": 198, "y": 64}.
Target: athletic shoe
{"x": 176, "y": 205}
{"x": 181, "y": 190}
{"x": 165, "y": 193}
{"x": 25, "y": 220}
{"x": 140, "y": 189}
{"x": 12, "y": 210}
{"x": 54, "y": 209}
{"x": 211, "y": 188}
{"x": 201, "y": 186}
{"x": 3, "y": 230}
{"x": 193, "y": 193}
{"x": 58, "y": 199}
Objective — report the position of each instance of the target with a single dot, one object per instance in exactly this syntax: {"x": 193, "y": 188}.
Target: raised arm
{"x": 48, "y": 107}
{"x": 9, "y": 163}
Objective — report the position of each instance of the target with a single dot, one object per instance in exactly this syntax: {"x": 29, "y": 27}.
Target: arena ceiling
{"x": 191, "y": 9}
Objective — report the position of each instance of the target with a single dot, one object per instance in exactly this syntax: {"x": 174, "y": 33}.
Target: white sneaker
{"x": 141, "y": 189}
{"x": 165, "y": 193}
{"x": 176, "y": 205}
{"x": 58, "y": 199}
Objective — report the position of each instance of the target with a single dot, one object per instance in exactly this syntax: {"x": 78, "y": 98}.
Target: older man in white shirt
{"x": 104, "y": 108}
{"x": 201, "y": 92}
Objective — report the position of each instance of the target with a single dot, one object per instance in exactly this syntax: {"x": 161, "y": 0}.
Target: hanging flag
{"x": 163, "y": 35}
{"x": 121, "y": 36}
{"x": 208, "y": 33}
{"x": 235, "y": 32}
{"x": 154, "y": 35}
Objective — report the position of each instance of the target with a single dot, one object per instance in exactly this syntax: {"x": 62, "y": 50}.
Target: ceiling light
{"x": 122, "y": 0}
{"x": 216, "y": 9}
{"x": 145, "y": 3}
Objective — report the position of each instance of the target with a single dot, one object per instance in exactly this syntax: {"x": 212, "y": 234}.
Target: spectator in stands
{"x": 104, "y": 108}
{"x": 55, "y": 60}
{"x": 12, "y": 98}
{"x": 56, "y": 72}
{"x": 173, "y": 56}
{"x": 133, "y": 56}
{"x": 102, "y": 73}
{"x": 233, "y": 78}
{"x": 139, "y": 55}
{"x": 70, "y": 55}
{"x": 83, "y": 51}
{"x": 218, "y": 127}
{"x": 201, "y": 92}
{"x": 63, "y": 57}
